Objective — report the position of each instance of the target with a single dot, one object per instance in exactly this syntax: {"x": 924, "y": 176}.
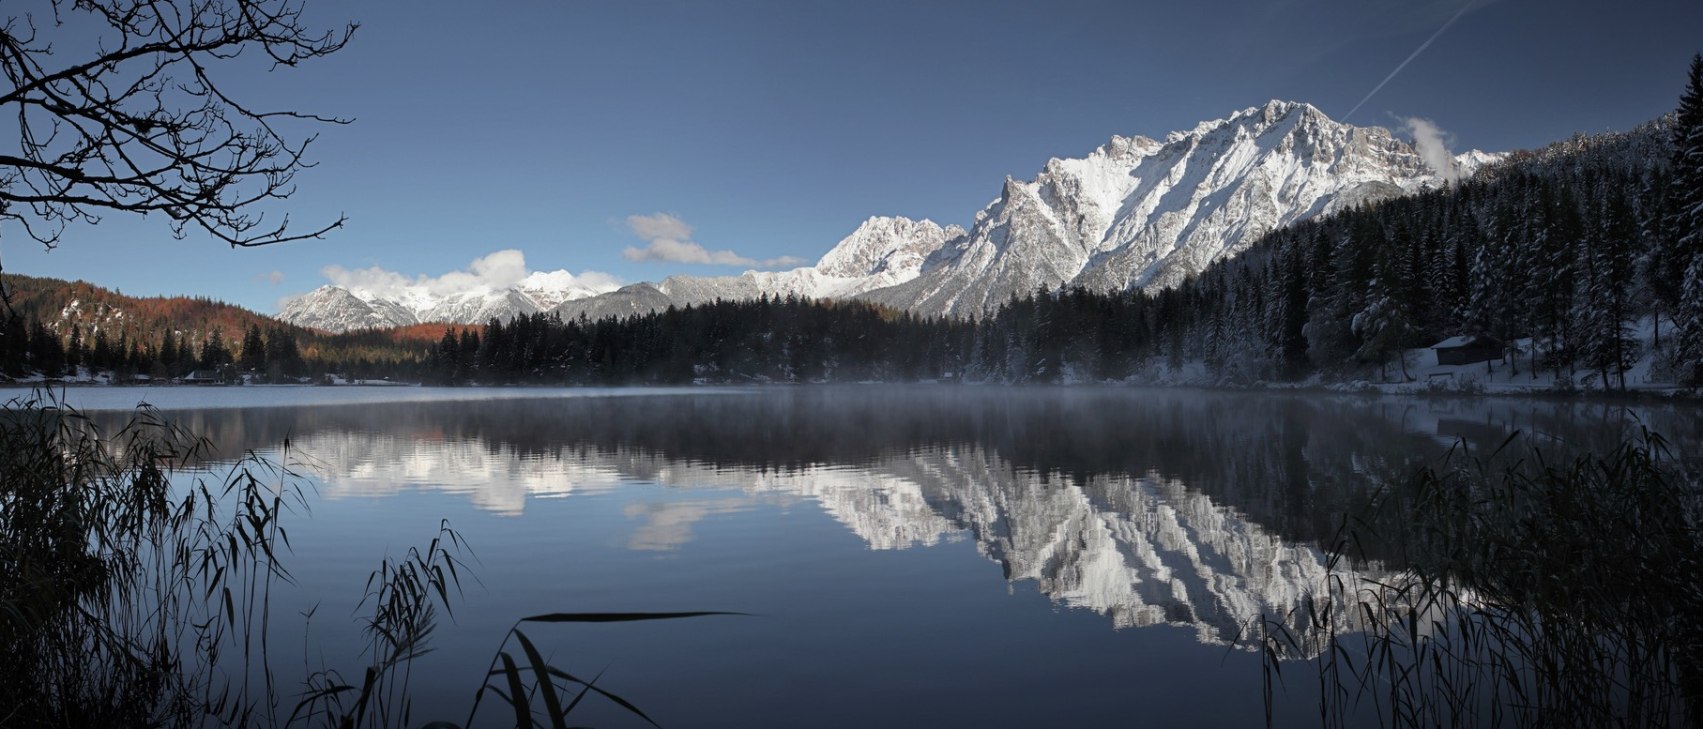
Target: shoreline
{"x": 1355, "y": 388}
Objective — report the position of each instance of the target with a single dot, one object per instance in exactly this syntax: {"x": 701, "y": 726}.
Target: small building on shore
{"x": 1467, "y": 349}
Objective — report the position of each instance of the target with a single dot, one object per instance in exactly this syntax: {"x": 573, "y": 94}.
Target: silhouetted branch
{"x": 119, "y": 112}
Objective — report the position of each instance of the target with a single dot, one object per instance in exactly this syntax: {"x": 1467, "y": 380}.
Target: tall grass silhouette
{"x": 1520, "y": 593}
{"x": 136, "y": 585}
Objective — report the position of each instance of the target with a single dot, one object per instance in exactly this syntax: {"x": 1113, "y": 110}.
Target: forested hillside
{"x": 54, "y": 327}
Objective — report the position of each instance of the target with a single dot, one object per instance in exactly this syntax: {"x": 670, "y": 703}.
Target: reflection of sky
{"x": 667, "y": 525}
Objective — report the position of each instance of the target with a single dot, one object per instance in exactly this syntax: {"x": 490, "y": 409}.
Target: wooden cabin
{"x": 203, "y": 377}
{"x": 1467, "y": 349}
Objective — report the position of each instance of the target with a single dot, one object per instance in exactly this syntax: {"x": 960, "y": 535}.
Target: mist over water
{"x": 911, "y": 555}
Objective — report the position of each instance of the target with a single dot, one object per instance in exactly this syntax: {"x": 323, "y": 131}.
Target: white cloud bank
{"x": 669, "y": 240}
{"x": 500, "y": 270}
{"x": 1433, "y": 146}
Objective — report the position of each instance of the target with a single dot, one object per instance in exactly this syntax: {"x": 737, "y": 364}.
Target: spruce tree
{"x": 445, "y": 357}
{"x": 14, "y": 345}
{"x": 1609, "y": 345}
{"x": 1686, "y": 223}
{"x": 213, "y": 352}
{"x": 47, "y": 355}
{"x": 101, "y": 356}
{"x": 1691, "y": 324}
{"x": 167, "y": 357}
{"x": 283, "y": 360}
{"x": 253, "y": 351}
{"x": 74, "y": 351}
{"x": 1292, "y": 331}
{"x": 1659, "y": 271}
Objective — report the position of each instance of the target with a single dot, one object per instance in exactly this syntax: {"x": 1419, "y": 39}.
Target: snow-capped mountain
{"x": 337, "y": 309}
{"x": 1140, "y": 213}
{"x": 1136, "y": 213}
{"x": 340, "y": 308}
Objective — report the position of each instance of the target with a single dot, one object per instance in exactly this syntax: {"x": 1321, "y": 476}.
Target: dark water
{"x": 924, "y": 556}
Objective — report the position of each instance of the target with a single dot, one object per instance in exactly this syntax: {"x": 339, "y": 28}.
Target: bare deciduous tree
{"x": 116, "y": 108}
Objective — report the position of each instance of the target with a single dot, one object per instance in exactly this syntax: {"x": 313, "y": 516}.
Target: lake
{"x": 907, "y": 555}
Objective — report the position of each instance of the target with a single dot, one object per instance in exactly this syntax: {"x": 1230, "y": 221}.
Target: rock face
{"x": 1136, "y": 213}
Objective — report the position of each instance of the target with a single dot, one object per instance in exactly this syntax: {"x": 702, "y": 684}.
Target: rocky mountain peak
{"x": 885, "y": 243}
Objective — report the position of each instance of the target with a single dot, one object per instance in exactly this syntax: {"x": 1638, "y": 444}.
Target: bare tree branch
{"x": 134, "y": 121}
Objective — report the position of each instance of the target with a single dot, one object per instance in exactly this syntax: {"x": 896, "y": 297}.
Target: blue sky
{"x": 766, "y": 131}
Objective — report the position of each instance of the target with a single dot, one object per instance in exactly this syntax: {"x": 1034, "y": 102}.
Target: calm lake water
{"x": 910, "y": 556}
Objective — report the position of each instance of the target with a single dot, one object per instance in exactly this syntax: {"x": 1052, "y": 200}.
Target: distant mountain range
{"x": 1136, "y": 213}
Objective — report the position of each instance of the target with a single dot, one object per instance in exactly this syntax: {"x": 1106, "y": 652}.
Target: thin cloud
{"x": 1410, "y": 57}
{"x": 271, "y": 277}
{"x": 661, "y": 226}
{"x": 669, "y": 240}
{"x": 1281, "y": 36}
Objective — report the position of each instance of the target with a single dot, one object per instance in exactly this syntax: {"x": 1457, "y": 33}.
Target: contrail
{"x": 1410, "y": 57}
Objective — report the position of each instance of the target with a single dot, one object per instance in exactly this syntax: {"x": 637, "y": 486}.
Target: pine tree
{"x": 101, "y": 356}
{"x": 75, "y": 354}
{"x": 1559, "y": 247}
{"x": 1659, "y": 270}
{"x": 1691, "y": 325}
{"x": 1292, "y": 332}
{"x": 467, "y": 350}
{"x": 1608, "y": 343}
{"x": 1686, "y": 224}
{"x": 253, "y": 351}
{"x": 167, "y": 357}
{"x": 47, "y": 355}
{"x": 283, "y": 360}
{"x": 14, "y": 345}
{"x": 213, "y": 352}
{"x": 445, "y": 356}
{"x": 1384, "y": 325}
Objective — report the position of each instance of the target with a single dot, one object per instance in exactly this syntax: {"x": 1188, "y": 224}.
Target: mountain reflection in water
{"x": 1150, "y": 507}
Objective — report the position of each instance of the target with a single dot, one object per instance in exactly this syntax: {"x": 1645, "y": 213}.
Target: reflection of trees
{"x": 1292, "y": 463}
{"x": 1528, "y": 597}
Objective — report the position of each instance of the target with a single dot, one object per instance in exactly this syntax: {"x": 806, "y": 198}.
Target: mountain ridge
{"x": 1135, "y": 212}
